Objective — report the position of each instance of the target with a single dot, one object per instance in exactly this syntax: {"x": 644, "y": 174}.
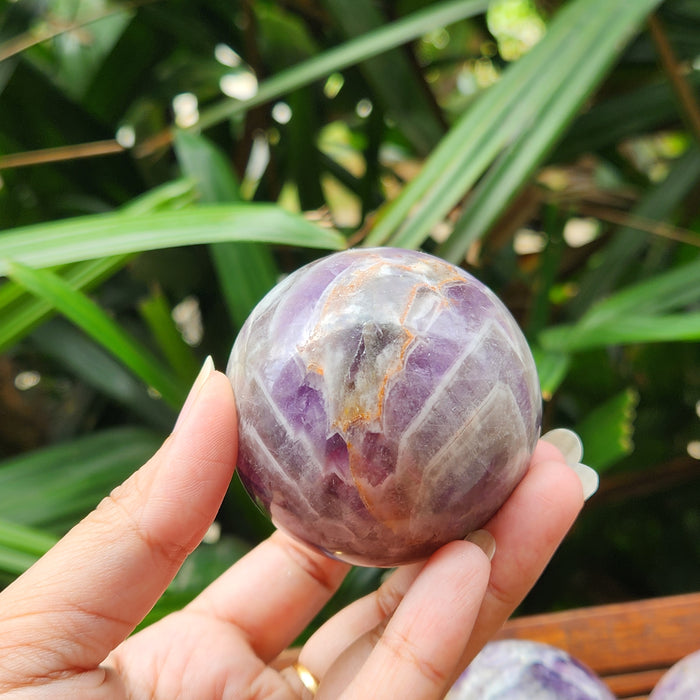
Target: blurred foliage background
{"x": 164, "y": 162}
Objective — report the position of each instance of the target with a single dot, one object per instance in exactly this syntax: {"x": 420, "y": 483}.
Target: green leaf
{"x": 596, "y": 42}
{"x": 497, "y": 116}
{"x": 21, "y": 546}
{"x": 552, "y": 368}
{"x": 88, "y": 237}
{"x": 202, "y": 567}
{"x": 246, "y": 271}
{"x": 623, "y": 330}
{"x": 205, "y": 165}
{"x": 71, "y": 349}
{"x": 72, "y": 67}
{"x": 622, "y": 116}
{"x": 607, "y": 431}
{"x": 354, "y": 51}
{"x": 303, "y": 164}
{"x": 168, "y": 603}
{"x": 636, "y": 314}
{"x": 622, "y": 251}
{"x": 13, "y": 563}
{"x": 670, "y": 290}
{"x": 52, "y": 488}
{"x": 176, "y": 194}
{"x": 157, "y": 313}
{"x": 394, "y": 81}
{"x": 21, "y": 312}
{"x": 97, "y": 324}
{"x": 525, "y": 111}
{"x": 207, "y": 563}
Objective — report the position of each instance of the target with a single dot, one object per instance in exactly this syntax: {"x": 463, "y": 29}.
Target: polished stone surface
{"x": 681, "y": 681}
{"x": 518, "y": 669}
{"x": 388, "y": 404}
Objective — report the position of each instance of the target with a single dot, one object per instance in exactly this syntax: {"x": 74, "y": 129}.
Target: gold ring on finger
{"x": 307, "y": 678}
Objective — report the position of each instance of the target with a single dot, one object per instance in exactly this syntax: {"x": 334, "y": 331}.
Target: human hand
{"x": 64, "y": 623}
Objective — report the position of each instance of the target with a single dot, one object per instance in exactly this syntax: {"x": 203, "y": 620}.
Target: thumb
{"x": 68, "y": 611}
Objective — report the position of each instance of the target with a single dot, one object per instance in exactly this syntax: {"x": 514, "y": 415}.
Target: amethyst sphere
{"x": 519, "y": 669}
{"x": 388, "y": 403}
{"x": 681, "y": 681}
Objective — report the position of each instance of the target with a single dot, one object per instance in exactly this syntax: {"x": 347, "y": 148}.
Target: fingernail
{"x": 568, "y": 443}
{"x": 589, "y": 479}
{"x": 571, "y": 447}
{"x": 207, "y": 369}
{"x": 484, "y": 540}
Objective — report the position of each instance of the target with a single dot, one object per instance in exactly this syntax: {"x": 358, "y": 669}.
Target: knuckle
{"x": 404, "y": 651}
{"x": 317, "y": 567}
{"x": 119, "y": 514}
{"x": 388, "y": 597}
{"x": 501, "y": 595}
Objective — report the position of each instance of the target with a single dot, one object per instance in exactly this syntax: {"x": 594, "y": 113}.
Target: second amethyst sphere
{"x": 388, "y": 403}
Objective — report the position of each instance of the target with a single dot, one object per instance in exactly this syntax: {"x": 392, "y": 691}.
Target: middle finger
{"x": 416, "y": 651}
{"x": 358, "y": 625}
{"x": 272, "y": 593}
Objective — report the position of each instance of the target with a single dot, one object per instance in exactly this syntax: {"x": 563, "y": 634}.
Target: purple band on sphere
{"x": 520, "y": 669}
{"x": 388, "y": 404}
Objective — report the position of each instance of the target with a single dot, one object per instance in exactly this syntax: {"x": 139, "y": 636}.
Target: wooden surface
{"x": 630, "y": 645}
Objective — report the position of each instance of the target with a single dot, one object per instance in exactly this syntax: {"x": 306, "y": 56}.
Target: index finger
{"x": 86, "y": 595}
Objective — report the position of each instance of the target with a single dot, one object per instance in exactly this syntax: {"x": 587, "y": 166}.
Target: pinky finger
{"x": 417, "y": 653}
